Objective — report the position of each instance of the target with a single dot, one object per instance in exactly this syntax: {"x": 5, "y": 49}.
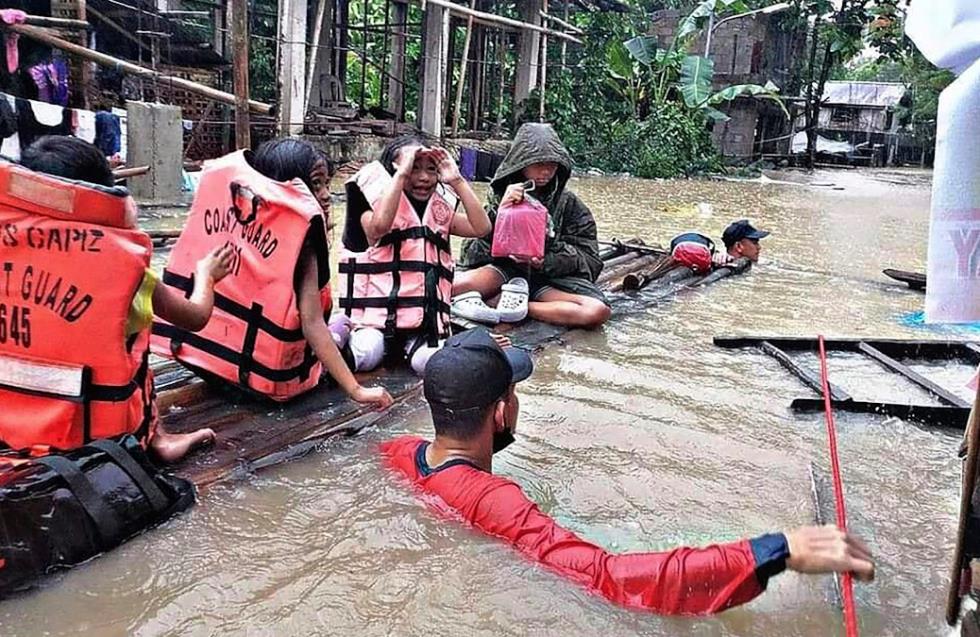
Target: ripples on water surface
{"x": 641, "y": 436}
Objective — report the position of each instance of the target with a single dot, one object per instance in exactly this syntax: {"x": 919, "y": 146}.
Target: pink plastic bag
{"x": 520, "y": 230}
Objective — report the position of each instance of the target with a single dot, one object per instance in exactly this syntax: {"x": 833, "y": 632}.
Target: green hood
{"x": 533, "y": 144}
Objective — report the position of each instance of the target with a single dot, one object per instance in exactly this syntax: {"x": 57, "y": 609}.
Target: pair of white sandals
{"x": 512, "y": 307}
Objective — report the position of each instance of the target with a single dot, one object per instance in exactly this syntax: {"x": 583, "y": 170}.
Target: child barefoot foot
{"x": 170, "y": 448}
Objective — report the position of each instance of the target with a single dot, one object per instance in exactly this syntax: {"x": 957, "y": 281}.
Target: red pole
{"x": 847, "y": 581}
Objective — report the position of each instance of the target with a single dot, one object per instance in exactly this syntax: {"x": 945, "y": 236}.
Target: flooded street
{"x": 641, "y": 436}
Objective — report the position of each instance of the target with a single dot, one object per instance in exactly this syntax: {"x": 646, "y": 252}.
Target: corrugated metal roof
{"x": 881, "y": 94}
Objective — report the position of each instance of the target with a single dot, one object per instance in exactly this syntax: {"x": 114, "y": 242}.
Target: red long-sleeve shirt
{"x": 684, "y": 581}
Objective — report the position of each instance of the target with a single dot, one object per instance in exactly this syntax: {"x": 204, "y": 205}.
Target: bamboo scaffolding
{"x": 499, "y": 21}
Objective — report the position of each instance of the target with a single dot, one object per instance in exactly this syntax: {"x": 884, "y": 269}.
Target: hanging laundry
{"x": 35, "y": 119}
{"x": 8, "y": 118}
{"x": 11, "y": 145}
{"x": 84, "y": 125}
{"x": 51, "y": 79}
{"x": 123, "y": 127}
{"x": 12, "y": 16}
{"x": 108, "y": 134}
{"x": 59, "y": 89}
{"x": 467, "y": 163}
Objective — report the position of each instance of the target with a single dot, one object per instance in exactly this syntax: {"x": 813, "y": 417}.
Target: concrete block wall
{"x": 155, "y": 139}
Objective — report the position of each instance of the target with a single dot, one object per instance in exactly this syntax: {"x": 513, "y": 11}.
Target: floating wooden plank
{"x": 933, "y": 388}
{"x": 915, "y": 280}
{"x": 936, "y": 415}
{"x": 810, "y": 378}
{"x": 960, "y": 566}
{"x": 896, "y": 348}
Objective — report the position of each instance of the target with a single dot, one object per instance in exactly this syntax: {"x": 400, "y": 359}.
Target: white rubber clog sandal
{"x": 512, "y": 307}
{"x": 470, "y": 306}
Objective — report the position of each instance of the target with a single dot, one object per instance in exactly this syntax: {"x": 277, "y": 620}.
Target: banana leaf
{"x": 695, "y": 84}
{"x": 727, "y": 94}
{"x": 692, "y": 23}
{"x": 643, "y": 48}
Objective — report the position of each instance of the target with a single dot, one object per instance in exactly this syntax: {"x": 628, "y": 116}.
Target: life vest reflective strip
{"x": 404, "y": 282}
{"x": 69, "y": 271}
{"x": 254, "y": 338}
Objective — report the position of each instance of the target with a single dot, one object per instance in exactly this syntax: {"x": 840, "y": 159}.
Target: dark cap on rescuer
{"x": 471, "y": 372}
{"x": 739, "y": 230}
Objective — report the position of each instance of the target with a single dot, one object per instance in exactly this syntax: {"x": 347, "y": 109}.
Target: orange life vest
{"x": 405, "y": 281}
{"x": 69, "y": 270}
{"x": 254, "y": 338}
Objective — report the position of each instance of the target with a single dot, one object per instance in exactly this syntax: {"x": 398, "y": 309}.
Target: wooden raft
{"x": 259, "y": 433}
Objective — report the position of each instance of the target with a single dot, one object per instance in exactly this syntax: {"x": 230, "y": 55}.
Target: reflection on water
{"x": 640, "y": 436}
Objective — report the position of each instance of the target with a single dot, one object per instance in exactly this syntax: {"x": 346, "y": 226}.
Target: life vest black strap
{"x": 232, "y": 357}
{"x": 350, "y": 263}
{"x": 391, "y": 321}
{"x": 349, "y": 267}
{"x": 234, "y": 308}
{"x": 386, "y": 302}
{"x": 248, "y": 345}
{"x": 105, "y": 519}
{"x": 158, "y": 501}
{"x": 416, "y": 232}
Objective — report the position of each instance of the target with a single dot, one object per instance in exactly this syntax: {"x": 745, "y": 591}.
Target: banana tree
{"x": 695, "y": 86}
{"x": 692, "y": 75}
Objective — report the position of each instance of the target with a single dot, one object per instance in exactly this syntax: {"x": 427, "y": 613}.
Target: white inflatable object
{"x": 948, "y": 34}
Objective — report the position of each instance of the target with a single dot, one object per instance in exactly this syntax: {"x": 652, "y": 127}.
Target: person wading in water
{"x": 470, "y": 386}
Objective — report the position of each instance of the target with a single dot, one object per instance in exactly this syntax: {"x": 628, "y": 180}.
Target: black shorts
{"x": 539, "y": 284}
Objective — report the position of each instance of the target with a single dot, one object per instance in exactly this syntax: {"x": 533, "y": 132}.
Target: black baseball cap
{"x": 470, "y": 372}
{"x": 739, "y": 230}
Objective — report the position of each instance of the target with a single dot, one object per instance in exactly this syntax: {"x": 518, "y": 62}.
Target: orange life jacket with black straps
{"x": 405, "y": 281}
{"x": 254, "y": 338}
{"x": 70, "y": 267}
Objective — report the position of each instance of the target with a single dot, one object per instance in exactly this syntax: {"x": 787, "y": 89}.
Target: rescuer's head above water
{"x": 741, "y": 239}
{"x": 470, "y": 385}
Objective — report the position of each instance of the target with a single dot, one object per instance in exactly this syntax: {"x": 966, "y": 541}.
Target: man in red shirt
{"x": 470, "y": 386}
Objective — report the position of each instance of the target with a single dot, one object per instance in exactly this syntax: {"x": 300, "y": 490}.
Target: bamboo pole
{"x": 57, "y": 23}
{"x": 954, "y": 592}
{"x": 321, "y": 11}
{"x": 499, "y": 21}
{"x": 128, "y": 67}
{"x": 462, "y": 71}
{"x": 562, "y": 23}
{"x": 239, "y": 45}
{"x": 564, "y": 43}
{"x": 544, "y": 67}
{"x": 118, "y": 29}
{"x": 123, "y": 173}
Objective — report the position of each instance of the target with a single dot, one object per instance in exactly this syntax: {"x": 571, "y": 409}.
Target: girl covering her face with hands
{"x": 396, "y": 267}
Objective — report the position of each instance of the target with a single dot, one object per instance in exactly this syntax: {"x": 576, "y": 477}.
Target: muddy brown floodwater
{"x": 640, "y": 436}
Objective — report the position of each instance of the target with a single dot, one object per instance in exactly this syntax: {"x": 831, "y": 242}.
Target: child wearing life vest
{"x": 396, "y": 266}
{"x": 269, "y": 335}
{"x": 72, "y": 158}
{"x": 283, "y": 160}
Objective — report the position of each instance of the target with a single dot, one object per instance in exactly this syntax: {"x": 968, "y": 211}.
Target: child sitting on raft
{"x": 396, "y": 266}
{"x": 270, "y": 334}
{"x": 73, "y": 158}
{"x": 559, "y": 288}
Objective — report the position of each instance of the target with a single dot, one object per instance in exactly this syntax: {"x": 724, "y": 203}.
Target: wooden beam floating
{"x": 810, "y": 378}
{"x": 914, "y": 377}
{"x": 894, "y": 347}
{"x": 102, "y": 59}
{"x": 937, "y": 415}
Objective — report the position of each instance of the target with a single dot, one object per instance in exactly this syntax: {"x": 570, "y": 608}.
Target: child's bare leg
{"x": 170, "y": 448}
{"x": 486, "y": 280}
